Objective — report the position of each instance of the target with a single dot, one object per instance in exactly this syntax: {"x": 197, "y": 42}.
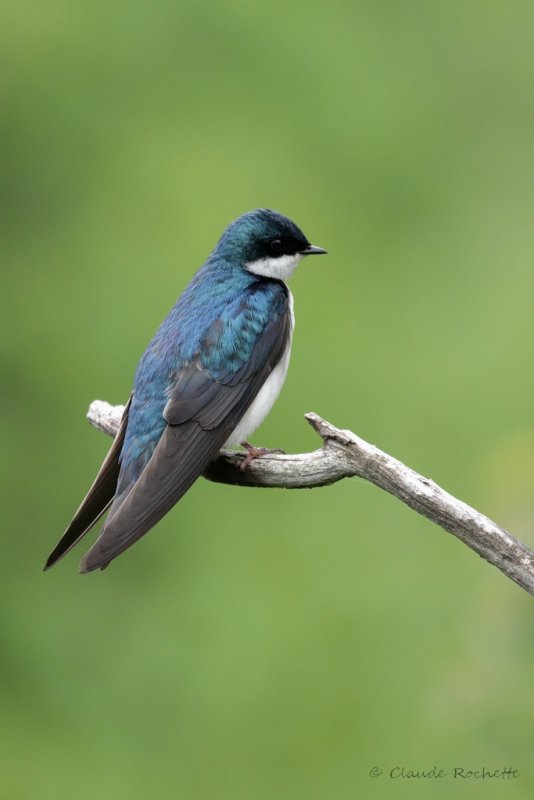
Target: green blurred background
{"x": 269, "y": 644}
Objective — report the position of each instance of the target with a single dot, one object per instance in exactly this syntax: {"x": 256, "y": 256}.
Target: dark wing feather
{"x": 97, "y": 499}
{"x": 201, "y": 414}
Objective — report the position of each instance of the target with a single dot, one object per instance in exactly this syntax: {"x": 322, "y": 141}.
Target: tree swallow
{"x": 208, "y": 378}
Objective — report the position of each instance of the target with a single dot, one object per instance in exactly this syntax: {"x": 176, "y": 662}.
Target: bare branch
{"x": 345, "y": 455}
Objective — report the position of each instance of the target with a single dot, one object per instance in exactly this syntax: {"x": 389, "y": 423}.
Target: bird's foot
{"x": 256, "y": 452}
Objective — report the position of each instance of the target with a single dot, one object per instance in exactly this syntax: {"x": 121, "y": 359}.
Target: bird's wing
{"x": 97, "y": 499}
{"x": 201, "y": 414}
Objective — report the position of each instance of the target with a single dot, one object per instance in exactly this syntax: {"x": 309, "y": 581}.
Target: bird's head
{"x": 266, "y": 243}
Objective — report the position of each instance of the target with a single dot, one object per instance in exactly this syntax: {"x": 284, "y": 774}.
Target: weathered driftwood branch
{"x": 345, "y": 455}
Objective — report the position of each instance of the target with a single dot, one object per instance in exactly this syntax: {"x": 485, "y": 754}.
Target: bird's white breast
{"x": 263, "y": 402}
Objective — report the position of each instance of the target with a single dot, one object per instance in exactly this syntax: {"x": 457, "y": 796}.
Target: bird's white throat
{"x": 280, "y": 267}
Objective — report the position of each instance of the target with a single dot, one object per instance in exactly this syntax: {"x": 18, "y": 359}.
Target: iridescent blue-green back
{"x": 216, "y": 322}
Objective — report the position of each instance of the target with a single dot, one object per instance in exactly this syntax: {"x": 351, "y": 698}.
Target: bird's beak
{"x": 311, "y": 250}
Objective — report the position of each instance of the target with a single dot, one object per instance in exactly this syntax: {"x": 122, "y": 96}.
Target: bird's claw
{"x": 256, "y": 452}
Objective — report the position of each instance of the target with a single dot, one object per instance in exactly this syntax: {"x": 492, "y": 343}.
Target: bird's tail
{"x": 97, "y": 500}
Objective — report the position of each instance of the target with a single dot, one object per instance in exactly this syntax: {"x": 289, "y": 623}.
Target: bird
{"x": 207, "y": 380}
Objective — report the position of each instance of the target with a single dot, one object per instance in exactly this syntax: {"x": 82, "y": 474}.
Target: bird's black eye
{"x": 275, "y": 246}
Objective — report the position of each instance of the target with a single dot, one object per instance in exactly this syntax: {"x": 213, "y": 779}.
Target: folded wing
{"x": 201, "y": 413}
